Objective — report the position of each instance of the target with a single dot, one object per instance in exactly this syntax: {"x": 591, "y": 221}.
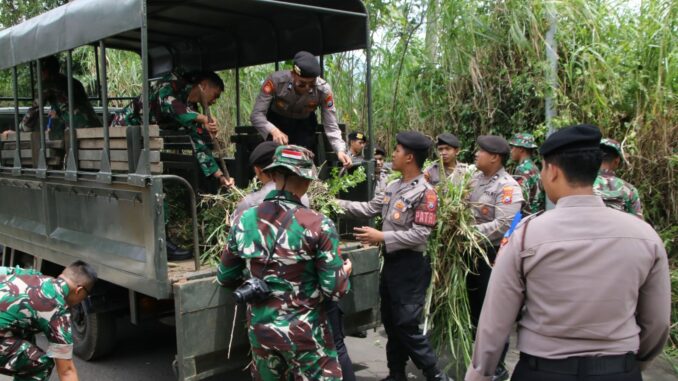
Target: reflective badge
{"x": 396, "y": 216}
{"x": 507, "y": 195}
{"x": 268, "y": 87}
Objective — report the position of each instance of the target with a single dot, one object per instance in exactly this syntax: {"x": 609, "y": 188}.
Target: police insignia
{"x": 268, "y": 87}
{"x": 396, "y": 216}
{"x": 329, "y": 102}
{"x": 426, "y": 212}
{"x": 507, "y": 195}
{"x": 399, "y": 205}
{"x": 485, "y": 210}
{"x": 387, "y": 199}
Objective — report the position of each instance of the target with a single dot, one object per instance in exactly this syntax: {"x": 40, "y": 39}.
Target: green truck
{"x": 97, "y": 195}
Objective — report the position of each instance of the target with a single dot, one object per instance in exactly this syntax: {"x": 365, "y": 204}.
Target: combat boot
{"x": 176, "y": 253}
{"x": 437, "y": 375}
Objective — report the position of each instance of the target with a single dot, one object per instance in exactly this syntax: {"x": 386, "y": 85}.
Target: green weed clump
{"x": 455, "y": 248}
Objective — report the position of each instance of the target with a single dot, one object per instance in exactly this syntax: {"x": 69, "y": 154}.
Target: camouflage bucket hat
{"x": 297, "y": 159}
{"x": 523, "y": 139}
{"x": 611, "y": 143}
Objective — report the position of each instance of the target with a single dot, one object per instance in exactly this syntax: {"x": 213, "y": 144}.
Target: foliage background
{"x": 476, "y": 67}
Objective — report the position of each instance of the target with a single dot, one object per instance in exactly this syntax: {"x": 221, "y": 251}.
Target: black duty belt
{"x": 592, "y": 366}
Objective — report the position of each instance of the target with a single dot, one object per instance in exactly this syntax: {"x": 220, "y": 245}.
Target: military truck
{"x": 97, "y": 194}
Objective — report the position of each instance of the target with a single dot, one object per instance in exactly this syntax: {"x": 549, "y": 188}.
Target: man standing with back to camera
{"x": 592, "y": 282}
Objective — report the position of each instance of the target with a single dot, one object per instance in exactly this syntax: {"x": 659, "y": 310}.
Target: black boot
{"x": 176, "y": 253}
{"x": 361, "y": 334}
{"x": 500, "y": 374}
{"x": 395, "y": 376}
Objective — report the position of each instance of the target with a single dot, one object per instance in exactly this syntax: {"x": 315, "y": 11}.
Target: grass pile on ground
{"x": 455, "y": 247}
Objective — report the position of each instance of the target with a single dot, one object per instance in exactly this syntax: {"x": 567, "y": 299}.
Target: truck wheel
{"x": 93, "y": 332}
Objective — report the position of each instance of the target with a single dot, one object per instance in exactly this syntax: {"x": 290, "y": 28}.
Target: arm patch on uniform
{"x": 329, "y": 101}
{"x": 507, "y": 195}
{"x": 268, "y": 87}
{"x": 426, "y": 211}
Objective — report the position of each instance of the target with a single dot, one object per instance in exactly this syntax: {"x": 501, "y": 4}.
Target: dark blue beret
{"x": 573, "y": 138}
{"x": 413, "y": 140}
{"x": 305, "y": 65}
{"x": 357, "y": 136}
{"x": 262, "y": 155}
{"x": 494, "y": 144}
{"x": 449, "y": 139}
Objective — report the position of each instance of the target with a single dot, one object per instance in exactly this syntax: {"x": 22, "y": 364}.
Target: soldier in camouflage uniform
{"x": 284, "y": 110}
{"x": 288, "y": 330}
{"x": 55, "y": 95}
{"x": 173, "y": 103}
{"x": 526, "y": 172}
{"x": 616, "y": 193}
{"x": 33, "y": 303}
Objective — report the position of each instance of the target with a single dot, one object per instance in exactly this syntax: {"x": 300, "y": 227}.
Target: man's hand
{"x": 278, "y": 136}
{"x": 368, "y": 235}
{"x": 224, "y": 181}
{"x": 348, "y": 266}
{"x": 210, "y": 125}
{"x": 344, "y": 159}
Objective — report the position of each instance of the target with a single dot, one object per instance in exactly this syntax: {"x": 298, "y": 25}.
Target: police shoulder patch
{"x": 507, "y": 195}
{"x": 268, "y": 88}
{"x": 329, "y": 101}
{"x": 427, "y": 209}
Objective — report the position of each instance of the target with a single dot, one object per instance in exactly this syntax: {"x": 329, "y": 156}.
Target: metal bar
{"x": 277, "y": 66}
{"x": 42, "y": 163}
{"x": 237, "y": 96}
{"x": 104, "y": 174}
{"x": 71, "y": 163}
{"x": 96, "y": 63}
{"x": 143, "y": 168}
{"x": 368, "y": 93}
{"x": 17, "y": 130}
{"x": 194, "y": 214}
{"x": 17, "y": 98}
{"x": 281, "y": 4}
{"x": 32, "y": 74}
{"x": 322, "y": 66}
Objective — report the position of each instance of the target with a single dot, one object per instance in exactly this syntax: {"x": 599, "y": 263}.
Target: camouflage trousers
{"x": 24, "y": 360}
{"x": 294, "y": 366}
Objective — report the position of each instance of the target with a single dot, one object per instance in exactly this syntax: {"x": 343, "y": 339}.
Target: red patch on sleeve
{"x": 426, "y": 212}
{"x": 507, "y": 195}
{"x": 329, "y": 101}
{"x": 268, "y": 87}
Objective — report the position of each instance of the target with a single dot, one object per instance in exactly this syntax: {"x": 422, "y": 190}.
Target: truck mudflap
{"x": 204, "y": 316}
{"x": 204, "y": 320}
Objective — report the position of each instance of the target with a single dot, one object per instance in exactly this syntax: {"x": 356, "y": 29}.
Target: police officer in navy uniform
{"x": 284, "y": 110}
{"x": 408, "y": 207}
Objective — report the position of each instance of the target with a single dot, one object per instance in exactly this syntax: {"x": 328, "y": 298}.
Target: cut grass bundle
{"x": 455, "y": 248}
{"x": 323, "y": 194}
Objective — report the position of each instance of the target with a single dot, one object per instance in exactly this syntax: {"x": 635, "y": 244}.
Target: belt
{"x": 592, "y": 366}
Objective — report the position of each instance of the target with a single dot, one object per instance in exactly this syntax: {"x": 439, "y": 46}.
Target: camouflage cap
{"x": 522, "y": 139}
{"x": 611, "y": 143}
{"x": 297, "y": 159}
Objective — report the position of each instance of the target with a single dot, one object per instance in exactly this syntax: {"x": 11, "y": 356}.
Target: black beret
{"x": 449, "y": 139}
{"x": 262, "y": 155}
{"x": 494, "y": 144}
{"x": 305, "y": 65}
{"x": 379, "y": 151}
{"x": 357, "y": 136}
{"x": 580, "y": 137}
{"x": 413, "y": 140}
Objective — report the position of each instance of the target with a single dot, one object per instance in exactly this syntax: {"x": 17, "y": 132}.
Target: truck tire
{"x": 93, "y": 332}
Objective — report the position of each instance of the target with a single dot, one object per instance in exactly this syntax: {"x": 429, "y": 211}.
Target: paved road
{"x": 146, "y": 353}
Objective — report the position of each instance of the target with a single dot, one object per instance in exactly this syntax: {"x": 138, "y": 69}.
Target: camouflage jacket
{"x": 31, "y": 303}
{"x": 617, "y": 193}
{"x": 305, "y": 269}
{"x": 169, "y": 108}
{"x": 55, "y": 95}
{"x": 527, "y": 176}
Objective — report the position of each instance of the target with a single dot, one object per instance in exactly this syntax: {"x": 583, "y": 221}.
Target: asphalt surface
{"x": 146, "y": 353}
